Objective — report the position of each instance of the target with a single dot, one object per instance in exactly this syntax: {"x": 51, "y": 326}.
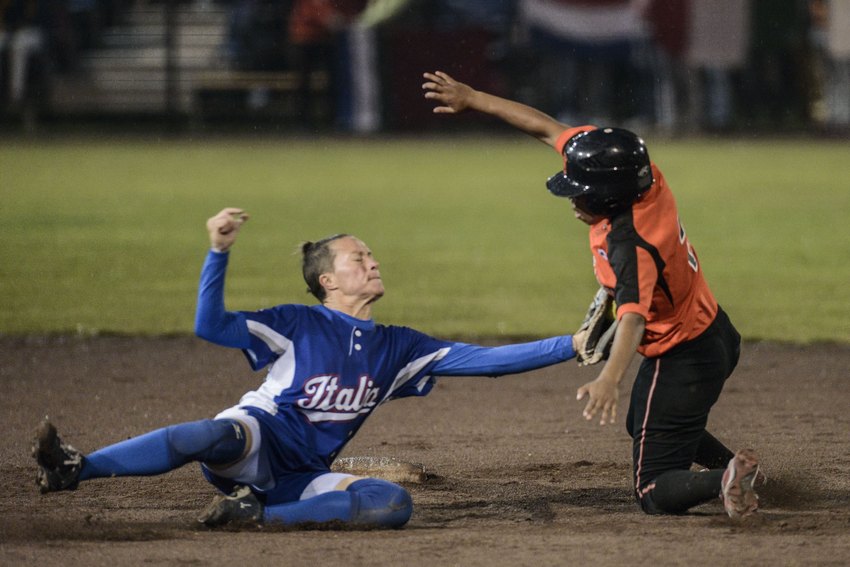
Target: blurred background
{"x": 676, "y": 67}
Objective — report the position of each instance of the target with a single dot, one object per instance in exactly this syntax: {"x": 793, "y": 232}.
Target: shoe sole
{"x": 44, "y": 449}
{"x": 46, "y": 444}
{"x": 52, "y": 456}
{"x": 211, "y": 516}
{"x": 739, "y": 497}
{"x": 224, "y": 509}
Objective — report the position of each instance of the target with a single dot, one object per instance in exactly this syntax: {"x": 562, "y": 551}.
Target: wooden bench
{"x": 231, "y": 94}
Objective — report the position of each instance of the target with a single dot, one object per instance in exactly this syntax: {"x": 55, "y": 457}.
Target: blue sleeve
{"x": 212, "y": 322}
{"x": 473, "y": 360}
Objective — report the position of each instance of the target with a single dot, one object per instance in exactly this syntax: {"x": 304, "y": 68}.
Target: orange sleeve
{"x": 569, "y": 133}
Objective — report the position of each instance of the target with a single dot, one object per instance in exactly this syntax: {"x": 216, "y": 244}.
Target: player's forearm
{"x": 520, "y": 116}
{"x": 626, "y": 341}
{"x": 212, "y": 321}
{"x": 473, "y": 360}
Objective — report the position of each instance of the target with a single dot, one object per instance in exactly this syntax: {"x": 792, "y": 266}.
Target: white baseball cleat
{"x": 737, "y": 489}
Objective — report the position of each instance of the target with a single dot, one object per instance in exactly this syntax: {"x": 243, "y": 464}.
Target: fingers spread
{"x": 608, "y": 413}
{"x": 589, "y": 409}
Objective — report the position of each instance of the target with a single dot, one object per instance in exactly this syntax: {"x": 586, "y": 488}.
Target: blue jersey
{"x": 327, "y": 371}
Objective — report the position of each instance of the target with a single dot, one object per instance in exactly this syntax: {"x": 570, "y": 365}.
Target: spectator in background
{"x": 778, "y": 84}
{"x": 595, "y": 44}
{"x": 477, "y": 32}
{"x": 313, "y": 31}
{"x": 831, "y": 26}
{"x": 84, "y": 18}
{"x": 496, "y": 16}
{"x": 817, "y": 36}
{"x": 719, "y": 34}
{"x": 667, "y": 77}
{"x": 22, "y": 47}
{"x": 257, "y": 34}
{"x": 358, "y": 86}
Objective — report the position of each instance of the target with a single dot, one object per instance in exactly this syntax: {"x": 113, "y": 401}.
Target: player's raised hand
{"x": 224, "y": 227}
{"x": 452, "y": 96}
{"x": 602, "y": 396}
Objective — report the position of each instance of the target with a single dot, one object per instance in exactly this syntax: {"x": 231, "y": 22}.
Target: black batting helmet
{"x": 605, "y": 170}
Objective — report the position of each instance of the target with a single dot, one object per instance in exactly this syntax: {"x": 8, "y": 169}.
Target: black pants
{"x": 671, "y": 398}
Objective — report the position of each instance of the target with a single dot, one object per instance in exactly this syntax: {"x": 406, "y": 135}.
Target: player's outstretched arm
{"x": 455, "y": 97}
{"x": 475, "y": 360}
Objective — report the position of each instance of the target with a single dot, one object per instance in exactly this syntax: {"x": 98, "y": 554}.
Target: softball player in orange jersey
{"x": 666, "y": 312}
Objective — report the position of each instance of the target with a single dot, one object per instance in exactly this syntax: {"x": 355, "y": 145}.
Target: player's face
{"x": 583, "y": 215}
{"x": 356, "y": 270}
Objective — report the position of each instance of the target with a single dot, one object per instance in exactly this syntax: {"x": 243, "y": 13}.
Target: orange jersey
{"x": 644, "y": 255}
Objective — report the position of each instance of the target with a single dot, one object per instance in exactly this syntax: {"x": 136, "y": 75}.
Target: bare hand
{"x": 453, "y": 96}
{"x": 603, "y": 396}
{"x": 224, "y": 227}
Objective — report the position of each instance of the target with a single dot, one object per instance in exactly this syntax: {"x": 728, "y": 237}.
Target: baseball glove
{"x": 594, "y": 338}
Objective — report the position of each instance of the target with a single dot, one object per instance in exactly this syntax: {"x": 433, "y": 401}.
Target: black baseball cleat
{"x": 241, "y": 507}
{"x": 59, "y": 464}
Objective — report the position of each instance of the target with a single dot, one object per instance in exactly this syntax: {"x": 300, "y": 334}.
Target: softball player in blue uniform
{"x": 330, "y": 365}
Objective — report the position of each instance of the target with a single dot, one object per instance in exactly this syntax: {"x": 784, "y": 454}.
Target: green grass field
{"x": 104, "y": 237}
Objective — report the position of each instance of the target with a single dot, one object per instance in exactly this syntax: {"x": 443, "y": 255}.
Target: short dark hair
{"x": 317, "y": 258}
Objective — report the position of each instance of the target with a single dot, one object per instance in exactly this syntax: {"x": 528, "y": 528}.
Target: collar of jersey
{"x": 365, "y": 324}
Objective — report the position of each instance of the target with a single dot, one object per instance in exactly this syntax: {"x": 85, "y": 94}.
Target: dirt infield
{"x": 515, "y": 475}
